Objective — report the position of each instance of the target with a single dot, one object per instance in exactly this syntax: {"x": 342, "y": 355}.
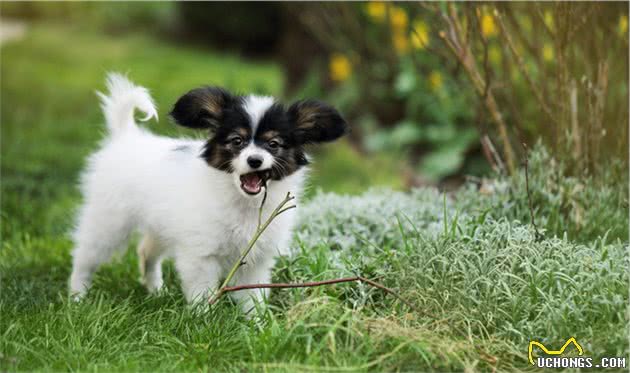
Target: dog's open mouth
{"x": 253, "y": 182}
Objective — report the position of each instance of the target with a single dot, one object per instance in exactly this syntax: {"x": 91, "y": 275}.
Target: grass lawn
{"x": 483, "y": 283}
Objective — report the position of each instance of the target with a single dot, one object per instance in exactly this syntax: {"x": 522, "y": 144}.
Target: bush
{"x": 584, "y": 208}
{"x": 473, "y": 261}
{"x": 430, "y": 79}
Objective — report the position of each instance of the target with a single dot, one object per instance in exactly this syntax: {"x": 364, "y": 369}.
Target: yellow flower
{"x": 435, "y": 80}
{"x": 420, "y": 35}
{"x": 623, "y": 25}
{"x": 398, "y": 18}
{"x": 339, "y": 67}
{"x": 401, "y": 42}
{"x": 488, "y": 27}
{"x": 376, "y": 10}
{"x": 547, "y": 52}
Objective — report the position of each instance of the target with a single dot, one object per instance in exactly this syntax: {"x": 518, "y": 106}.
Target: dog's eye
{"x": 273, "y": 144}
{"x": 237, "y": 141}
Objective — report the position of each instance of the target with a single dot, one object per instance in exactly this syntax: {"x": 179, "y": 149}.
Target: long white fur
{"x": 185, "y": 209}
{"x": 256, "y": 106}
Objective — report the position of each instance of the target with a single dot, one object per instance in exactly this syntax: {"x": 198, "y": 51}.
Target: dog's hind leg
{"x": 101, "y": 230}
{"x": 150, "y": 260}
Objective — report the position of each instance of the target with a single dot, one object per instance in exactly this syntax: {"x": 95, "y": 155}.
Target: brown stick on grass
{"x": 259, "y": 230}
{"x": 320, "y": 283}
{"x": 225, "y": 288}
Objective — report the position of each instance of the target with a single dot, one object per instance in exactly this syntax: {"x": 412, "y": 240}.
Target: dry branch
{"x": 225, "y": 288}
{"x": 319, "y": 283}
{"x": 460, "y": 47}
{"x": 537, "y": 91}
{"x": 259, "y": 230}
{"x": 492, "y": 155}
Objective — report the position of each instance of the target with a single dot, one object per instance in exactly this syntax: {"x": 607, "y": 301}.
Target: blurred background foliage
{"x": 431, "y": 79}
{"x": 434, "y": 91}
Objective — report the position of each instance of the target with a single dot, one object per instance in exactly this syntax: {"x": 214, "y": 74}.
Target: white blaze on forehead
{"x": 256, "y": 106}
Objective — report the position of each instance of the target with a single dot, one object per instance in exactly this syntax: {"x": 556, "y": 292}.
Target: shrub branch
{"x": 320, "y": 283}
{"x": 259, "y": 230}
{"x": 461, "y": 49}
{"x": 536, "y": 90}
{"x": 282, "y": 207}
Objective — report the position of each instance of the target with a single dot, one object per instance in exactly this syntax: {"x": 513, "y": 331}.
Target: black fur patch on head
{"x": 316, "y": 121}
{"x": 281, "y": 132}
{"x": 203, "y": 108}
{"x": 275, "y": 133}
{"x": 232, "y": 136}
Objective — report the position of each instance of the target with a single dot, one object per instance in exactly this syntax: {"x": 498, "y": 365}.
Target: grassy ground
{"x": 482, "y": 281}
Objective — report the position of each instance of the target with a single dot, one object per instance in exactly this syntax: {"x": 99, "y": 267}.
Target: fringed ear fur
{"x": 202, "y": 108}
{"x": 315, "y": 121}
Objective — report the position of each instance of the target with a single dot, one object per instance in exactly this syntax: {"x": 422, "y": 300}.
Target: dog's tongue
{"x": 251, "y": 183}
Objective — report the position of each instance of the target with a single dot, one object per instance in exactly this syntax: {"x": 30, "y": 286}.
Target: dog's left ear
{"x": 315, "y": 121}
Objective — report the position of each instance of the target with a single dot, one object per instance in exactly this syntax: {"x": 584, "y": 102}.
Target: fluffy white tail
{"x": 124, "y": 97}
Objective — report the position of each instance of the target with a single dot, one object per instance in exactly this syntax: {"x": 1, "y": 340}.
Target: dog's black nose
{"x": 254, "y": 162}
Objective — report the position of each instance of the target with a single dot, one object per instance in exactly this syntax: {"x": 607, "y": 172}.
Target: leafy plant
{"x": 429, "y": 80}
{"x": 583, "y": 208}
{"x": 402, "y": 98}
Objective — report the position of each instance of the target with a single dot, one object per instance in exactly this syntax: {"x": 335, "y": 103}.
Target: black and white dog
{"x": 196, "y": 201}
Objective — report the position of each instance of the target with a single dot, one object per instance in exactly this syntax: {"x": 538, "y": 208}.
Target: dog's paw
{"x": 77, "y": 296}
{"x": 153, "y": 286}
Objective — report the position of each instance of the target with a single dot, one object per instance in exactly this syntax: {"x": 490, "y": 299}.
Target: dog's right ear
{"x": 202, "y": 108}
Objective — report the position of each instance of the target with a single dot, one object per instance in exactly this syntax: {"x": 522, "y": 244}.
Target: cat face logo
{"x": 553, "y": 352}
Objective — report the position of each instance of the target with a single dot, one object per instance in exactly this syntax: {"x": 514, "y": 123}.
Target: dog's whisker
{"x": 278, "y": 165}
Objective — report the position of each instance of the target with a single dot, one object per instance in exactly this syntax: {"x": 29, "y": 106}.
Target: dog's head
{"x": 255, "y": 138}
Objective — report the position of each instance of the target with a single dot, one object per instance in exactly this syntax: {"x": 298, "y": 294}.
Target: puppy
{"x": 196, "y": 201}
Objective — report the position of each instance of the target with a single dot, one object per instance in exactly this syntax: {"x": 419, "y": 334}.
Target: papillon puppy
{"x": 196, "y": 201}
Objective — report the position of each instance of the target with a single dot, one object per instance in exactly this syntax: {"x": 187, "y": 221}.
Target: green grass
{"x": 48, "y": 94}
{"x": 482, "y": 282}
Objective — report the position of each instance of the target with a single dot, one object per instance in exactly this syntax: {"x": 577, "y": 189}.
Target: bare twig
{"x": 492, "y": 155}
{"x": 520, "y": 33}
{"x": 529, "y": 196}
{"x": 536, "y": 90}
{"x": 583, "y": 20}
{"x": 320, "y": 283}
{"x": 488, "y": 155}
{"x": 461, "y": 49}
{"x": 600, "y": 102}
{"x": 561, "y": 12}
{"x": 259, "y": 230}
{"x": 575, "y": 128}
{"x": 484, "y": 42}
{"x": 541, "y": 20}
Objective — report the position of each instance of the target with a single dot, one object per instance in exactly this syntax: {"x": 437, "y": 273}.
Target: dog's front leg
{"x": 199, "y": 276}
{"x": 254, "y": 273}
